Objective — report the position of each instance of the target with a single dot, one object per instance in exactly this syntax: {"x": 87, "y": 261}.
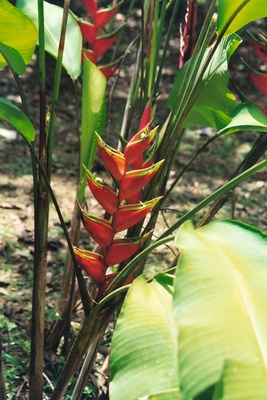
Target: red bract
{"x": 102, "y": 44}
{"x": 259, "y": 80}
{"x": 113, "y": 159}
{"x": 91, "y": 7}
{"x": 130, "y": 214}
{"x": 92, "y": 263}
{"x": 189, "y": 34}
{"x": 135, "y": 180}
{"x": 121, "y": 249}
{"x": 99, "y": 229}
{"x": 107, "y": 282}
{"x": 146, "y": 118}
{"x": 102, "y": 17}
{"x": 103, "y": 193}
{"x": 138, "y": 144}
{"x": 108, "y": 71}
{"x": 88, "y": 31}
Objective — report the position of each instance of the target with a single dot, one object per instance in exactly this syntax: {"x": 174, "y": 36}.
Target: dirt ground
{"x": 212, "y": 169}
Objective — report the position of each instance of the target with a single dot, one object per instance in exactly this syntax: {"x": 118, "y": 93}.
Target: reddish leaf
{"x": 103, "y": 193}
{"x": 88, "y": 32}
{"x": 113, "y": 159}
{"x": 99, "y": 229}
{"x": 130, "y": 214}
{"x": 91, "y": 7}
{"x": 135, "y": 180}
{"x": 92, "y": 263}
{"x": 102, "y": 44}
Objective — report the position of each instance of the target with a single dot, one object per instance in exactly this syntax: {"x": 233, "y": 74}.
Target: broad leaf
{"x": 235, "y": 14}
{"x": 236, "y": 382}
{"x": 220, "y": 304}
{"x": 16, "y": 31}
{"x": 144, "y": 347}
{"x": 53, "y": 19}
{"x": 93, "y": 116}
{"x": 246, "y": 117}
{"x": 17, "y": 118}
{"x": 215, "y": 102}
{"x": 13, "y": 58}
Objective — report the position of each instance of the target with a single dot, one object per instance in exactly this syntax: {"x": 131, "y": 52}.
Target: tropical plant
{"x": 195, "y": 329}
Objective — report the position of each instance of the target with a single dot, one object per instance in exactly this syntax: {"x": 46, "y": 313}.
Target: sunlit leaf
{"x": 16, "y": 31}
{"x": 220, "y": 304}
{"x": 53, "y": 19}
{"x": 234, "y": 15}
{"x": 215, "y": 103}
{"x": 246, "y": 117}
{"x": 17, "y": 118}
{"x": 144, "y": 348}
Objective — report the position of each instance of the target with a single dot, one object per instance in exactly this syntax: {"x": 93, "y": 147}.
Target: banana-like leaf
{"x": 143, "y": 361}
{"x": 246, "y": 117}
{"x": 215, "y": 103}
{"x": 220, "y": 307}
{"x": 236, "y": 382}
{"x": 234, "y": 15}
{"x": 53, "y": 19}
{"x": 16, "y": 31}
{"x": 17, "y": 118}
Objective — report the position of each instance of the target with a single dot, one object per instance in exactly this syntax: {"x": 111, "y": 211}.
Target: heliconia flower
{"x": 135, "y": 198}
{"x": 103, "y": 16}
{"x": 103, "y": 193}
{"x": 89, "y": 54}
{"x": 135, "y": 180}
{"x": 113, "y": 159}
{"x": 107, "y": 282}
{"x": 259, "y": 80}
{"x": 189, "y": 34}
{"x": 130, "y": 214}
{"x": 108, "y": 71}
{"x": 88, "y": 31}
{"x": 92, "y": 263}
{"x": 259, "y": 45}
{"x": 138, "y": 144}
{"x": 146, "y": 118}
{"x": 102, "y": 44}
{"x": 121, "y": 249}
{"x": 99, "y": 229}
{"x": 91, "y": 7}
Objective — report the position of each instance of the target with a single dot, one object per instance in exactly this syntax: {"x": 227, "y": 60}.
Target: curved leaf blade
{"x": 16, "y": 31}
{"x": 220, "y": 301}
{"x": 53, "y": 19}
{"x": 13, "y": 58}
{"x": 246, "y": 117}
{"x": 144, "y": 348}
{"x": 17, "y": 118}
{"x": 241, "y": 12}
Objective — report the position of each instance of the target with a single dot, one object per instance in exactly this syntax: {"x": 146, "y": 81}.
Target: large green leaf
{"x": 53, "y": 19}
{"x": 17, "y": 118}
{"x": 246, "y": 117}
{"x": 143, "y": 359}
{"x": 13, "y": 58}
{"x": 220, "y": 305}
{"x": 215, "y": 102}
{"x": 16, "y": 31}
{"x": 93, "y": 117}
{"x": 235, "y": 14}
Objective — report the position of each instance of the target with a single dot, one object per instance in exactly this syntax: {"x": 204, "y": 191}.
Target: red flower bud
{"x": 113, "y": 159}
{"x": 88, "y": 31}
{"x": 92, "y": 263}
{"x": 138, "y": 144}
{"x": 121, "y": 249}
{"x": 130, "y": 214}
{"x": 103, "y": 193}
{"x": 99, "y": 229}
{"x": 135, "y": 180}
